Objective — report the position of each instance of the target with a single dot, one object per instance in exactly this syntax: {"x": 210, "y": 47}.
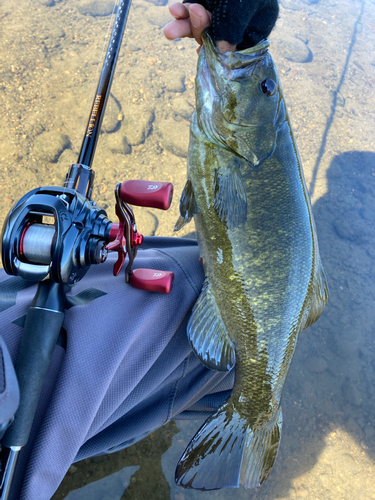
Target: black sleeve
{"x": 241, "y": 22}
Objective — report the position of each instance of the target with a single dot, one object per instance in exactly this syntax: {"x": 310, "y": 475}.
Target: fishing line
{"x": 334, "y": 103}
{"x": 94, "y": 82}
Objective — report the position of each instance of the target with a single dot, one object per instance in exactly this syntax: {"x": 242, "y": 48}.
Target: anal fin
{"x": 320, "y": 297}
{"x": 207, "y": 333}
{"x": 188, "y": 206}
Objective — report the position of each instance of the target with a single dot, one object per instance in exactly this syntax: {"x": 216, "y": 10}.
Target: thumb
{"x": 200, "y": 18}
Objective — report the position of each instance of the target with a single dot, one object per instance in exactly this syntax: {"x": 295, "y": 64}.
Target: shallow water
{"x": 48, "y": 59}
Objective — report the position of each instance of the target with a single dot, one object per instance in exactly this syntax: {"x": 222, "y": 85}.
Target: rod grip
{"x": 147, "y": 193}
{"x": 41, "y": 331}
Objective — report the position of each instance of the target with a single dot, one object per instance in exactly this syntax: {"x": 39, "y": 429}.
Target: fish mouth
{"x": 239, "y": 59}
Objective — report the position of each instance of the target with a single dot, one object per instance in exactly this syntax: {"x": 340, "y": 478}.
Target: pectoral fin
{"x": 207, "y": 333}
{"x": 230, "y": 198}
{"x": 188, "y": 206}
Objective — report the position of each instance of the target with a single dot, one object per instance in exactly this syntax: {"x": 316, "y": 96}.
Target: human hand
{"x": 191, "y": 19}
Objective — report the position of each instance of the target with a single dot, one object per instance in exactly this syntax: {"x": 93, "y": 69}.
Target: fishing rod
{"x": 57, "y": 255}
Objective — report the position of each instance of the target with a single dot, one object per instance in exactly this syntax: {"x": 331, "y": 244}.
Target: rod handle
{"x": 41, "y": 331}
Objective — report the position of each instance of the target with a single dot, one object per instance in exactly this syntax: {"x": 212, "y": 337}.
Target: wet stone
{"x": 316, "y": 364}
{"x": 48, "y": 146}
{"x": 294, "y": 49}
{"x": 137, "y": 124}
{"x": 94, "y": 8}
{"x": 182, "y": 107}
{"x": 174, "y": 136}
{"x": 118, "y": 143}
{"x": 111, "y": 116}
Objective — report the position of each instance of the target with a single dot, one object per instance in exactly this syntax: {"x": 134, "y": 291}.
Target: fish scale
{"x": 264, "y": 280}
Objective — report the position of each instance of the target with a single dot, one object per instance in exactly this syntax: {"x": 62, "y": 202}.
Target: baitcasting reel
{"x": 58, "y": 232}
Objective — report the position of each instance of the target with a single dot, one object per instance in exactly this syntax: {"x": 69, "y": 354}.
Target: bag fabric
{"x": 126, "y": 369}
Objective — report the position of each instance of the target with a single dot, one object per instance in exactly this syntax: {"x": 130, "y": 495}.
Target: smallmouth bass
{"x": 257, "y": 238}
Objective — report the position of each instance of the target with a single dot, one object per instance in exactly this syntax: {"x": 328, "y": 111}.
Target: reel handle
{"x": 147, "y": 193}
{"x": 152, "y": 280}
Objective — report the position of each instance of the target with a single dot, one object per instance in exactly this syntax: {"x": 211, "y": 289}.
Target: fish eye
{"x": 268, "y": 87}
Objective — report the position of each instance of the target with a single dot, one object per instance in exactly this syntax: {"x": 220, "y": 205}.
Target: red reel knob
{"x": 147, "y": 193}
{"x": 152, "y": 280}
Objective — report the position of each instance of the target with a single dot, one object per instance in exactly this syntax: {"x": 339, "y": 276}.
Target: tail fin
{"x": 225, "y": 452}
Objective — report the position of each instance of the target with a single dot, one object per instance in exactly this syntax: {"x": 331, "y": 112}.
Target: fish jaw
{"x": 232, "y": 109}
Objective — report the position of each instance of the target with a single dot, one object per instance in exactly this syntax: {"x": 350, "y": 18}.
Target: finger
{"x": 179, "y": 10}
{"x": 200, "y": 18}
{"x": 178, "y": 29}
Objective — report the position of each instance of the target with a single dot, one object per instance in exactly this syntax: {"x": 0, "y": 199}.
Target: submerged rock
{"x": 175, "y": 82}
{"x": 48, "y": 146}
{"x": 111, "y": 116}
{"x": 137, "y": 124}
{"x": 118, "y": 143}
{"x": 174, "y": 136}
{"x": 95, "y": 8}
{"x": 182, "y": 107}
{"x": 316, "y": 364}
{"x": 353, "y": 229}
{"x": 297, "y": 4}
{"x": 158, "y": 16}
{"x": 158, "y": 2}
{"x": 294, "y": 49}
{"x": 47, "y": 3}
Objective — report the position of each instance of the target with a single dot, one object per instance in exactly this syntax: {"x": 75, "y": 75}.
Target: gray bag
{"x": 126, "y": 369}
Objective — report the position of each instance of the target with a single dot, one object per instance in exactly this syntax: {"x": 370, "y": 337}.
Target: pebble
{"x": 95, "y": 8}
{"x": 111, "y": 116}
{"x": 73, "y": 469}
{"x": 118, "y": 143}
{"x": 48, "y": 146}
{"x": 294, "y": 49}
{"x": 316, "y": 364}
{"x": 137, "y": 124}
{"x": 174, "y": 136}
{"x": 182, "y": 107}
